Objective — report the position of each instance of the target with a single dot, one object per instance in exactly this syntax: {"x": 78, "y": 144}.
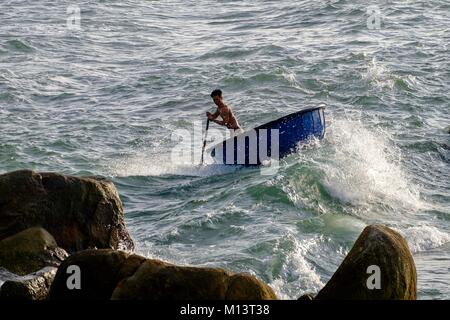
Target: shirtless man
{"x": 224, "y": 111}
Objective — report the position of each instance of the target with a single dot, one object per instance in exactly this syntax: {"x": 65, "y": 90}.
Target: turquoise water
{"x": 107, "y": 98}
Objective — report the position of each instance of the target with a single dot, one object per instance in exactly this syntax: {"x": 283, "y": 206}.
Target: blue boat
{"x": 273, "y": 140}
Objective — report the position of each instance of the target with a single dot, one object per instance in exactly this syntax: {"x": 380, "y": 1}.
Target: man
{"x": 224, "y": 111}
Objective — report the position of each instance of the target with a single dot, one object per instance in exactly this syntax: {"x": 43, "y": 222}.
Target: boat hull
{"x": 273, "y": 140}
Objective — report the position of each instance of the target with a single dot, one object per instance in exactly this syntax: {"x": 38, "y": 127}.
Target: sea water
{"x": 99, "y": 87}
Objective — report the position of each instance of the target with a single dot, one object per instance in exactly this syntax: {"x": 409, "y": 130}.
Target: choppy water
{"x": 106, "y": 99}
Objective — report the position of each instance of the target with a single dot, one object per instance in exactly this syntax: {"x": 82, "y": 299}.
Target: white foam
{"x": 365, "y": 168}
{"x": 423, "y": 238}
{"x": 379, "y": 75}
{"x": 144, "y": 164}
{"x": 291, "y": 78}
{"x": 298, "y": 275}
{"x": 278, "y": 287}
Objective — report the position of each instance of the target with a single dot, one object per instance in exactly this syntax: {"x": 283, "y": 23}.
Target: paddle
{"x": 204, "y": 140}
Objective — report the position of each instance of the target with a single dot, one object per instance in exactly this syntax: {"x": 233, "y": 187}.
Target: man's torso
{"x": 228, "y": 117}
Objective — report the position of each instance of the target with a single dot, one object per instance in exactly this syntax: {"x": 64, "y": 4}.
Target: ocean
{"x": 102, "y": 88}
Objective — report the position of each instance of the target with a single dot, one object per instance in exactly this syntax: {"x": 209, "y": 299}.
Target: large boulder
{"x": 100, "y": 272}
{"x": 378, "y": 254}
{"x": 29, "y": 251}
{"x": 247, "y": 287}
{"x": 156, "y": 280}
{"x": 307, "y": 297}
{"x": 80, "y": 213}
{"x": 109, "y": 274}
{"x": 33, "y": 286}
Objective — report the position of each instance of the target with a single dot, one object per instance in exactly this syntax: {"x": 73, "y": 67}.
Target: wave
{"x": 365, "y": 167}
{"x": 381, "y": 77}
{"x": 19, "y": 46}
{"x": 360, "y": 167}
{"x": 378, "y": 75}
{"x": 147, "y": 164}
{"x": 424, "y": 238}
{"x": 296, "y": 274}
{"x": 291, "y": 78}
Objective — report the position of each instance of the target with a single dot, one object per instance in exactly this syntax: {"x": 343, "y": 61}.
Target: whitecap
{"x": 298, "y": 275}
{"x": 424, "y": 238}
{"x": 365, "y": 167}
{"x": 379, "y": 75}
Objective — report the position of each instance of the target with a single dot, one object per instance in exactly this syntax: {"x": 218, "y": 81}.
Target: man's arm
{"x": 212, "y": 116}
{"x": 222, "y": 123}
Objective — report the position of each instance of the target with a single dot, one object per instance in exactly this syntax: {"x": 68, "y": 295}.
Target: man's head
{"x": 216, "y": 95}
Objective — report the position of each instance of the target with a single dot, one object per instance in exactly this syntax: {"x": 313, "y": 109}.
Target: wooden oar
{"x": 204, "y": 140}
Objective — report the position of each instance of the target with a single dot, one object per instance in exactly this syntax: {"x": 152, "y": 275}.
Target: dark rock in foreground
{"x": 34, "y": 286}
{"x": 377, "y": 248}
{"x": 29, "y": 251}
{"x": 80, "y": 213}
{"x": 100, "y": 270}
{"x": 108, "y": 274}
{"x": 247, "y": 287}
{"x": 157, "y": 280}
{"x": 306, "y": 296}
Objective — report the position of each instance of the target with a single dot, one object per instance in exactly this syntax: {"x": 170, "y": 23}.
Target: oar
{"x": 204, "y": 141}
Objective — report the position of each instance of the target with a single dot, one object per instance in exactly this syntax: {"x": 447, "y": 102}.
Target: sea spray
{"x": 365, "y": 168}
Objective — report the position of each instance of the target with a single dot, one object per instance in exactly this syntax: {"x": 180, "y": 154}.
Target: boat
{"x": 273, "y": 140}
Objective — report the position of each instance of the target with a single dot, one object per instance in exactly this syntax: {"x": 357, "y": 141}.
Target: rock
{"x": 247, "y": 287}
{"x": 113, "y": 274}
{"x": 30, "y": 287}
{"x": 6, "y": 275}
{"x": 306, "y": 296}
{"x": 100, "y": 271}
{"x": 381, "y": 247}
{"x": 156, "y": 280}
{"x": 29, "y": 251}
{"x": 80, "y": 213}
